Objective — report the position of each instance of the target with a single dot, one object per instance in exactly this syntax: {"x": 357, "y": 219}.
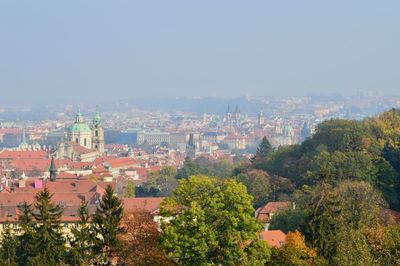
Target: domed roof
{"x": 79, "y": 127}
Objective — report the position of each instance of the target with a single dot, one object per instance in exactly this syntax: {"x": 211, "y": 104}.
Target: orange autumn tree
{"x": 295, "y": 252}
{"x": 140, "y": 241}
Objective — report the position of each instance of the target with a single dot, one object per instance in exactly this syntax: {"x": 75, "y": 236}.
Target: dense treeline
{"x": 367, "y": 150}
{"x": 343, "y": 179}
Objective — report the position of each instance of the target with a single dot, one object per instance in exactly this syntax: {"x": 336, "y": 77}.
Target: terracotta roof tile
{"x": 274, "y": 238}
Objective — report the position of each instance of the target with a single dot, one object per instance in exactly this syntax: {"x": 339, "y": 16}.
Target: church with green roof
{"x": 83, "y": 142}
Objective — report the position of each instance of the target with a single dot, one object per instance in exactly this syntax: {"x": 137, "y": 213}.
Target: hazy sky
{"x": 74, "y": 50}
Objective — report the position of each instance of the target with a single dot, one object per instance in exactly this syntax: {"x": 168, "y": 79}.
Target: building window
{"x": 84, "y": 142}
{"x": 95, "y": 146}
{"x": 77, "y": 140}
{"x": 96, "y": 133}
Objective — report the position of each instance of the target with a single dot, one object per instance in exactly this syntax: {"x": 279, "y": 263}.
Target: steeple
{"x": 97, "y": 118}
{"x": 261, "y": 119}
{"x": 53, "y": 170}
{"x": 191, "y": 147}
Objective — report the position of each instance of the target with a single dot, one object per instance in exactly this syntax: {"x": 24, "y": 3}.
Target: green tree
{"x": 48, "y": 240}
{"x": 359, "y": 203}
{"x": 26, "y": 247}
{"x": 81, "y": 252}
{"x": 129, "y": 189}
{"x": 338, "y": 166}
{"x": 159, "y": 184}
{"x": 257, "y": 184}
{"x": 352, "y": 249}
{"x": 343, "y": 135}
{"x": 289, "y": 220}
{"x": 384, "y": 242}
{"x": 8, "y": 247}
{"x": 321, "y": 224}
{"x": 294, "y": 252}
{"x": 212, "y": 223}
{"x": 189, "y": 168}
{"x": 264, "y": 150}
{"x": 106, "y": 225}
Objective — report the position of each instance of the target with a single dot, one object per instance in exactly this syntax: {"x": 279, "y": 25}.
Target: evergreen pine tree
{"x": 48, "y": 240}
{"x": 26, "y": 247}
{"x": 8, "y": 247}
{"x": 106, "y": 225}
{"x": 82, "y": 241}
{"x": 322, "y": 226}
{"x": 263, "y": 151}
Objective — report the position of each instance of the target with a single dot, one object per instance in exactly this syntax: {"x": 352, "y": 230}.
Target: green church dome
{"x": 79, "y": 127}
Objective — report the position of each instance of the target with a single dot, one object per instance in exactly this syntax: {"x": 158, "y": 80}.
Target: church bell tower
{"x": 98, "y": 134}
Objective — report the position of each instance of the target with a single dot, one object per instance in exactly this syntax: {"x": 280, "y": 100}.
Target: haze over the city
{"x": 69, "y": 51}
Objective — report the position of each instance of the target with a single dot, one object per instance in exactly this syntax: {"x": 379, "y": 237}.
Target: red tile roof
{"x": 66, "y": 193}
{"x": 9, "y": 154}
{"x": 150, "y": 204}
{"x": 78, "y": 149}
{"x": 263, "y": 213}
{"x": 274, "y": 238}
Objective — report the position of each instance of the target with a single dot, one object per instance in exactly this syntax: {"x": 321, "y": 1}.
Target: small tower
{"x": 228, "y": 117}
{"x": 53, "y": 170}
{"x": 191, "y": 147}
{"x": 237, "y": 117}
{"x": 98, "y": 134}
{"x": 24, "y": 144}
{"x": 261, "y": 119}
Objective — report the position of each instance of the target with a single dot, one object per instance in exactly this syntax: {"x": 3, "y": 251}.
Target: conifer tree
{"x": 48, "y": 240}
{"x": 106, "y": 225}
{"x": 8, "y": 247}
{"x": 263, "y": 151}
{"x": 322, "y": 226}
{"x": 82, "y": 241}
{"x": 26, "y": 247}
